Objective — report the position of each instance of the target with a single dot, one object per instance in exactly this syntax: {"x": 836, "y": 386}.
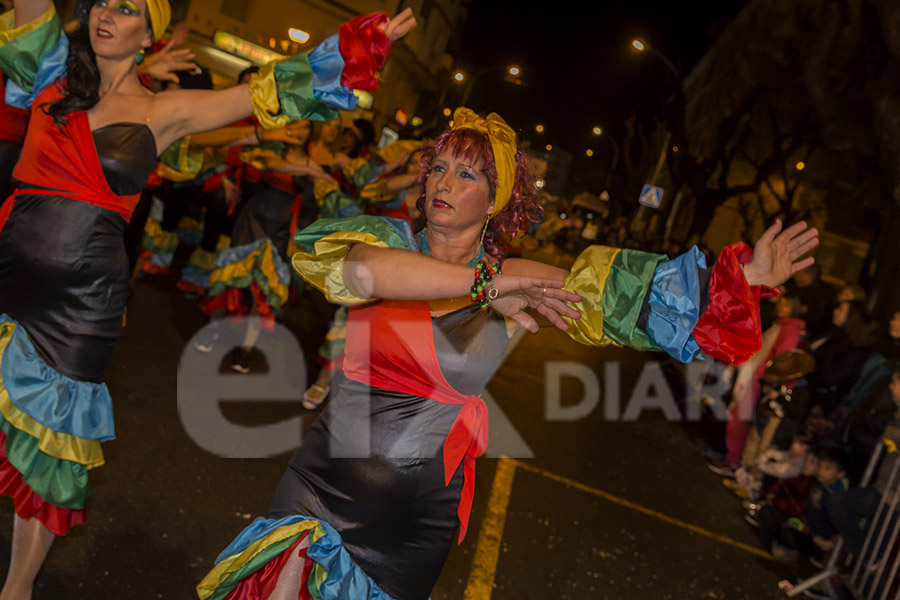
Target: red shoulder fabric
{"x": 66, "y": 160}
{"x": 364, "y": 49}
{"x": 404, "y": 360}
{"x": 730, "y": 330}
{"x": 13, "y": 121}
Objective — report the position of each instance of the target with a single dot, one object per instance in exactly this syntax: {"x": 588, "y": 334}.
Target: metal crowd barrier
{"x": 875, "y": 570}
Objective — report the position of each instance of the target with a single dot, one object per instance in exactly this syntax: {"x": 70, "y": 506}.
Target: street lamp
{"x": 513, "y": 70}
{"x": 598, "y": 131}
{"x": 642, "y": 47}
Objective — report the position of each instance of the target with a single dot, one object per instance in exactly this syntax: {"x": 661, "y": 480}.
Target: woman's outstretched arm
{"x": 396, "y": 274}
{"x": 179, "y": 113}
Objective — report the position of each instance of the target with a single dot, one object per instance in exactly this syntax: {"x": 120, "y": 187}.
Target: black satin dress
{"x": 63, "y": 267}
{"x": 372, "y": 466}
{"x": 267, "y": 214}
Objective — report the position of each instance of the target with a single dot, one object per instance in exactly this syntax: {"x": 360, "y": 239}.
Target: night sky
{"x": 578, "y": 64}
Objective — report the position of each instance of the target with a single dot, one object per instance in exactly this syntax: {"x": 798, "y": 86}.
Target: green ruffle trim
{"x": 60, "y": 482}
{"x": 256, "y": 275}
{"x": 629, "y": 281}
{"x": 254, "y": 564}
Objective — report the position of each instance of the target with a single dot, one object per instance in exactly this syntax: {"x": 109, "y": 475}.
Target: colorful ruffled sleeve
{"x": 316, "y": 84}
{"x": 331, "y": 239}
{"x": 180, "y": 162}
{"x": 643, "y": 300}
{"x": 33, "y": 56}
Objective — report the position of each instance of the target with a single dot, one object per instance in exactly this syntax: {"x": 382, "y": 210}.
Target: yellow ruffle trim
{"x": 324, "y": 269}
{"x": 375, "y": 192}
{"x": 52, "y": 443}
{"x": 233, "y": 563}
{"x": 266, "y": 263}
{"x": 587, "y": 278}
{"x": 161, "y": 239}
{"x": 264, "y": 97}
{"x": 323, "y": 187}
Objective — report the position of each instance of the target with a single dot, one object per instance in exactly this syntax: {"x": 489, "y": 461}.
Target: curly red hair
{"x": 523, "y": 206}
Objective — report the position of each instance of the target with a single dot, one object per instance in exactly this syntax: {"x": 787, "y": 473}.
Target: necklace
{"x": 423, "y": 246}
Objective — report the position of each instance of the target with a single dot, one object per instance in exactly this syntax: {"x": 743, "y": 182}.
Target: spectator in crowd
{"x": 840, "y": 353}
{"x": 851, "y": 512}
{"x": 784, "y": 335}
{"x": 774, "y": 462}
{"x": 814, "y": 534}
{"x": 785, "y": 499}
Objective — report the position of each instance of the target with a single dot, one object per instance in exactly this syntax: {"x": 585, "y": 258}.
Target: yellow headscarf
{"x": 160, "y": 17}
{"x": 503, "y": 145}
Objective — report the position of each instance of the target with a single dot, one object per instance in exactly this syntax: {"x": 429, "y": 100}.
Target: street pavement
{"x": 583, "y": 505}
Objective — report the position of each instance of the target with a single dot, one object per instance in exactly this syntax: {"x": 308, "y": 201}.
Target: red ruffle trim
{"x": 261, "y": 583}
{"x": 730, "y": 329}
{"x": 233, "y": 301}
{"x": 364, "y": 49}
{"x": 28, "y": 504}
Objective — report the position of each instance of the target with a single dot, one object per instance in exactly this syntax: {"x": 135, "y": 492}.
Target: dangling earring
{"x": 484, "y": 231}
{"x": 139, "y": 57}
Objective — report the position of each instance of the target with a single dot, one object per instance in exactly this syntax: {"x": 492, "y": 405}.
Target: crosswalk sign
{"x": 651, "y": 196}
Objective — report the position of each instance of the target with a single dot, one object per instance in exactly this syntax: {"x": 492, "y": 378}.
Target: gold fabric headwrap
{"x": 160, "y": 17}
{"x": 503, "y": 145}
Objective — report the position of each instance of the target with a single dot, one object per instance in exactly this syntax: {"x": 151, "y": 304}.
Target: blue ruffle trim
{"x": 79, "y": 408}
{"x": 327, "y": 65}
{"x": 404, "y": 230}
{"x": 237, "y": 254}
{"x": 51, "y": 69}
{"x": 345, "y": 578}
{"x": 675, "y": 304}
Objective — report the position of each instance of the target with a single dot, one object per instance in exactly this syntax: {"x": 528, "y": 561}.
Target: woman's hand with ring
{"x": 515, "y": 294}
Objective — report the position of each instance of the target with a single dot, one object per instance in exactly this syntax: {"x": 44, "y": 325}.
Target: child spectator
{"x": 814, "y": 534}
{"x": 785, "y": 498}
{"x": 773, "y": 462}
{"x": 779, "y": 413}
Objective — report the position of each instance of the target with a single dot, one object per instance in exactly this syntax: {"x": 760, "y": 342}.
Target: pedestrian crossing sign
{"x": 651, "y": 196}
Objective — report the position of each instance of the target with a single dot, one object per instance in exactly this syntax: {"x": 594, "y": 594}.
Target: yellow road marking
{"x": 644, "y": 510}
{"x": 487, "y": 549}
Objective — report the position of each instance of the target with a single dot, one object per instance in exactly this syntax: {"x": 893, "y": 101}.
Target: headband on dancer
{"x": 160, "y": 17}
{"x": 503, "y": 145}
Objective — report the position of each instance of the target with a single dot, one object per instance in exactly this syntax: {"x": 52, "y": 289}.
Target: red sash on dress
{"x": 403, "y": 359}
{"x": 65, "y": 160}
{"x": 13, "y": 120}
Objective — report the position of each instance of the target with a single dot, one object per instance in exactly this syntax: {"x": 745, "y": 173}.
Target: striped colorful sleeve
{"x": 331, "y": 239}
{"x": 180, "y": 162}
{"x": 647, "y": 302}
{"x": 33, "y": 56}
{"x": 316, "y": 84}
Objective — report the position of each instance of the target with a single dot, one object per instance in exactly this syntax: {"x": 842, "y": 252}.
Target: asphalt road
{"x": 589, "y": 505}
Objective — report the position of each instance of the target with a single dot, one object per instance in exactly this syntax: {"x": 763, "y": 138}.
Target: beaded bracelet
{"x": 483, "y": 290}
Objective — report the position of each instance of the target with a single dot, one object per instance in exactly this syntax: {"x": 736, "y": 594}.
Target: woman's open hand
{"x": 777, "y": 253}
{"x": 400, "y": 25}
{"x": 546, "y": 296}
{"x": 170, "y": 59}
